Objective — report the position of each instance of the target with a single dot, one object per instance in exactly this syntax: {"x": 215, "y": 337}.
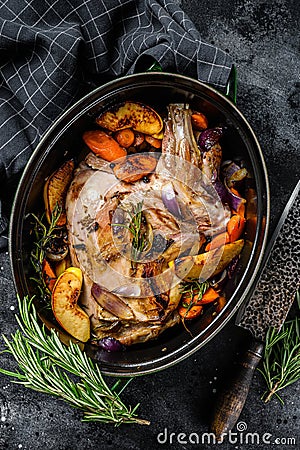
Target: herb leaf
{"x": 281, "y": 362}
{"x": 44, "y": 365}
{"x": 43, "y": 235}
{"x": 135, "y": 226}
{"x": 191, "y": 289}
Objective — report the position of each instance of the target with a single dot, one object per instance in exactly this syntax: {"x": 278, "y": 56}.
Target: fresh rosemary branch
{"x": 192, "y": 289}
{"x": 281, "y": 362}
{"x": 138, "y": 241}
{"x": 45, "y": 364}
{"x": 135, "y": 227}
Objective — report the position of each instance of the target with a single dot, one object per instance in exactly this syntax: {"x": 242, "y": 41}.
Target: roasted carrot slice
{"x": 218, "y": 241}
{"x": 49, "y": 275}
{"x": 125, "y": 137}
{"x": 191, "y": 313}
{"x": 209, "y": 296}
{"x": 235, "y": 227}
{"x": 154, "y": 142}
{"x": 199, "y": 121}
{"x": 241, "y": 210}
{"x": 104, "y": 145}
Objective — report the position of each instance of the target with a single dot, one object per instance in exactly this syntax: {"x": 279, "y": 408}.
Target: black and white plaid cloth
{"x": 54, "y": 51}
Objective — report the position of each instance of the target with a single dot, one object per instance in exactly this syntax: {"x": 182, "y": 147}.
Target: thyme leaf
{"x": 45, "y": 365}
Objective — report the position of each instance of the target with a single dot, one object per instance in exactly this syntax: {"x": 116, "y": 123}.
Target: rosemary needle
{"x": 43, "y": 234}
{"x": 45, "y": 364}
{"x": 281, "y": 362}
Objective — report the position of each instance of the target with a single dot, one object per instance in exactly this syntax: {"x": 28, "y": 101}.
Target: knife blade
{"x": 271, "y": 298}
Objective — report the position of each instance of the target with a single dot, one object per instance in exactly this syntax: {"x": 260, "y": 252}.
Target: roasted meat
{"x": 129, "y": 291}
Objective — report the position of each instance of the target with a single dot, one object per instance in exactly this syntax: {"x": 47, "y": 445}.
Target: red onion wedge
{"x": 227, "y": 196}
{"x": 210, "y": 137}
{"x": 168, "y": 197}
{"x": 111, "y": 302}
{"x": 110, "y": 344}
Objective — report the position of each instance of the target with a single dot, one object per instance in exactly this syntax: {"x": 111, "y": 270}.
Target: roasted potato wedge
{"x": 133, "y": 115}
{"x": 67, "y": 312}
{"x": 207, "y": 264}
{"x": 174, "y": 296}
{"x": 62, "y": 265}
{"x": 55, "y": 190}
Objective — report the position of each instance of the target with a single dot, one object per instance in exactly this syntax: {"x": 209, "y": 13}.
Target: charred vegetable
{"x": 199, "y": 121}
{"x": 133, "y": 115}
{"x": 134, "y": 167}
{"x": 57, "y": 247}
{"x": 209, "y": 138}
{"x": 207, "y": 264}
{"x": 111, "y": 302}
{"x": 66, "y": 310}
{"x": 125, "y": 137}
{"x": 110, "y": 344}
{"x": 49, "y": 275}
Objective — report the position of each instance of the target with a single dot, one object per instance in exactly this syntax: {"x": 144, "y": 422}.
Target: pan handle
{"x": 230, "y": 90}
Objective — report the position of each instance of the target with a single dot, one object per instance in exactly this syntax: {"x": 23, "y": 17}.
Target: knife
{"x": 271, "y": 299}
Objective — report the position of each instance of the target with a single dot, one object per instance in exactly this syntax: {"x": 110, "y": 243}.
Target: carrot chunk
{"x": 218, "y": 241}
{"x": 210, "y": 295}
{"x": 125, "y": 137}
{"x": 49, "y": 275}
{"x": 103, "y": 145}
{"x": 190, "y": 313}
{"x": 235, "y": 227}
{"x": 199, "y": 121}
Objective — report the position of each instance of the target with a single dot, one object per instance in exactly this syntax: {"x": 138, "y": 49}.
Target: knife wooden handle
{"x": 230, "y": 403}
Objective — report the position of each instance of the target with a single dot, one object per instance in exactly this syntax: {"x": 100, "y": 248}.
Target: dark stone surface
{"x": 263, "y": 38}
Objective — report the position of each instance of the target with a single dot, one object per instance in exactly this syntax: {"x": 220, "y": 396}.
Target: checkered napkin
{"x": 54, "y": 51}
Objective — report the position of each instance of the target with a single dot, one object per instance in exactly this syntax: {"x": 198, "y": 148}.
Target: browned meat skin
{"x": 135, "y": 333}
{"x": 97, "y": 163}
{"x": 193, "y": 183}
{"x": 103, "y": 251}
{"x": 212, "y": 162}
{"x": 168, "y": 145}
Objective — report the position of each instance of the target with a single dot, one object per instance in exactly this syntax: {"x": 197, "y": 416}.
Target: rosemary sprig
{"x": 193, "y": 288}
{"x": 135, "y": 226}
{"x": 43, "y": 235}
{"x": 45, "y": 364}
{"x": 281, "y": 362}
